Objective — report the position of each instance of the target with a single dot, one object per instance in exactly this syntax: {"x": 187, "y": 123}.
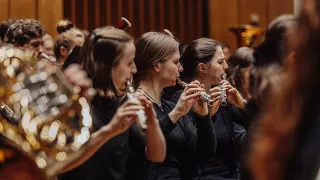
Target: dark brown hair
{"x": 198, "y": 51}
{"x": 22, "y": 31}
{"x": 292, "y": 109}
{"x": 4, "y": 26}
{"x": 64, "y": 25}
{"x": 274, "y": 48}
{"x": 102, "y": 50}
{"x": 241, "y": 59}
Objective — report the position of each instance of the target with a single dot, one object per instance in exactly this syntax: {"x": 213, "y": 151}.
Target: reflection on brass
{"x": 36, "y": 107}
{"x": 246, "y": 34}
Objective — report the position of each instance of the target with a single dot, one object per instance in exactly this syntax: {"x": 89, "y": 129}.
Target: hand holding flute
{"x": 226, "y": 93}
{"x": 191, "y": 98}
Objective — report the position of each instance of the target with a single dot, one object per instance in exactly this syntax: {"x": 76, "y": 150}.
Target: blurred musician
{"x": 285, "y": 140}
{"x": 240, "y": 64}
{"x": 48, "y": 45}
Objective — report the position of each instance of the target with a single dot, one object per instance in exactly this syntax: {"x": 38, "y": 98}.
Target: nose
{"x": 225, "y": 65}
{"x": 180, "y": 68}
{"x": 134, "y": 69}
{"x": 40, "y": 49}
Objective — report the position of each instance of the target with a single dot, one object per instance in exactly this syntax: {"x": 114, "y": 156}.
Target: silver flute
{"x": 51, "y": 59}
{"x": 223, "y": 96}
{"x": 204, "y": 96}
{"x": 142, "y": 118}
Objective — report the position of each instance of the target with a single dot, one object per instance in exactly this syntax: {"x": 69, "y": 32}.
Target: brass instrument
{"x": 37, "y": 105}
{"x": 246, "y": 34}
{"x": 204, "y": 96}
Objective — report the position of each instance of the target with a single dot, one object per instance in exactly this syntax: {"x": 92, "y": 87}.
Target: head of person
{"x": 294, "y": 99}
{"x": 226, "y": 50}
{"x": 238, "y": 72}
{"x": 108, "y": 58}
{"x": 66, "y": 26}
{"x": 204, "y": 60}
{"x": 26, "y": 33}
{"x": 157, "y": 59}
{"x": 48, "y": 45}
{"x": 63, "y": 45}
{"x": 4, "y": 26}
{"x": 274, "y": 49}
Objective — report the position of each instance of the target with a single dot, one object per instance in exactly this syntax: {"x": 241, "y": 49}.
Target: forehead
{"x": 129, "y": 48}
{"x": 219, "y": 53}
{"x": 175, "y": 56}
{"x": 128, "y": 52}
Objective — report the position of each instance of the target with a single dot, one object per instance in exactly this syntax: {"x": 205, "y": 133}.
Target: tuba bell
{"x": 40, "y": 112}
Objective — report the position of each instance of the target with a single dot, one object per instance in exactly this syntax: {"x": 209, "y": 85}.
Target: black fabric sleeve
{"x": 240, "y": 117}
{"x": 240, "y": 135}
{"x": 206, "y": 137}
{"x": 166, "y": 125}
{"x": 137, "y": 139}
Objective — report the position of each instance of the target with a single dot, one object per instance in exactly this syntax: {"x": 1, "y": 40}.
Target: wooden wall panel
{"x": 4, "y": 13}
{"x": 276, "y": 8}
{"x": 187, "y": 19}
{"x": 248, "y": 7}
{"x": 49, "y": 13}
{"x": 222, "y": 15}
{"x": 23, "y": 9}
{"x": 46, "y": 11}
{"x": 181, "y": 17}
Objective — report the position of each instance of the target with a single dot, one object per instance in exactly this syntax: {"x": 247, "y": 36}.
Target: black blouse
{"x": 230, "y": 135}
{"x": 109, "y": 162}
{"x": 191, "y": 137}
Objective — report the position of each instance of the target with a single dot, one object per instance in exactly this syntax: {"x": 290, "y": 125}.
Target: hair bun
{"x": 64, "y": 25}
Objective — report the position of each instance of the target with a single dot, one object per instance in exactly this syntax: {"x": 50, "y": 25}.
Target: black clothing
{"x": 109, "y": 162}
{"x": 229, "y": 135}
{"x": 304, "y": 163}
{"x": 73, "y": 58}
{"x": 188, "y": 139}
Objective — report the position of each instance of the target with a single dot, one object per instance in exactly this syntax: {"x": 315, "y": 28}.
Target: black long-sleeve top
{"x": 109, "y": 162}
{"x": 188, "y": 139}
{"x": 191, "y": 137}
{"x": 230, "y": 135}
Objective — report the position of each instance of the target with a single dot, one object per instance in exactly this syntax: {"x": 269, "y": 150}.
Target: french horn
{"x": 41, "y": 113}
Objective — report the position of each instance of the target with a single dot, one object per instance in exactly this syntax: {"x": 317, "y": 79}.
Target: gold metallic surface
{"x": 37, "y": 108}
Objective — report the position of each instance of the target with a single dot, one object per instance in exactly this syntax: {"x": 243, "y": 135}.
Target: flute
{"x": 204, "y": 96}
{"x": 51, "y": 59}
{"x": 124, "y": 24}
{"x": 223, "y": 96}
{"x": 142, "y": 118}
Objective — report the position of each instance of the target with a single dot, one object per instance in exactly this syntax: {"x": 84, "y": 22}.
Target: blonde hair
{"x": 63, "y": 40}
{"x": 152, "y": 47}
